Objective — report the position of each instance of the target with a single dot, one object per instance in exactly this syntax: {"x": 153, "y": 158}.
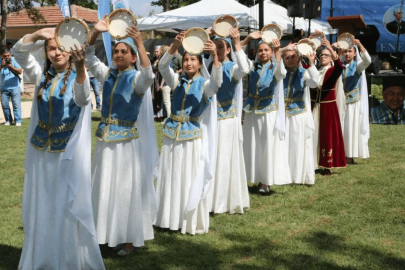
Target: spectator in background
{"x": 391, "y": 111}
{"x": 10, "y": 71}
{"x": 156, "y": 90}
{"x": 96, "y": 89}
{"x": 177, "y": 61}
{"x": 298, "y": 34}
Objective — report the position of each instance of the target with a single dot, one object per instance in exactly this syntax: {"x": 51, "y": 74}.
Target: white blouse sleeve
{"x": 242, "y": 67}
{"x": 214, "y": 83}
{"x": 143, "y": 79}
{"x": 81, "y": 92}
{"x": 280, "y": 72}
{"x": 23, "y": 56}
{"x": 311, "y": 77}
{"x": 96, "y": 67}
{"x": 167, "y": 72}
{"x": 363, "y": 63}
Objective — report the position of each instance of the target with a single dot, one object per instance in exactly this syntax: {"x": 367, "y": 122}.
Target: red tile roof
{"x": 53, "y": 16}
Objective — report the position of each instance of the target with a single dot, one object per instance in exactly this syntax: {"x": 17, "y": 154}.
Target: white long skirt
{"x": 229, "y": 191}
{"x": 179, "y": 162}
{"x": 300, "y": 150}
{"x": 121, "y": 196}
{"x": 265, "y": 153}
{"x": 356, "y": 145}
{"x": 54, "y": 238}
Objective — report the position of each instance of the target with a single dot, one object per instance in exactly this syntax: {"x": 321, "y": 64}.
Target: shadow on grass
{"x": 10, "y": 256}
{"x": 328, "y": 249}
{"x": 95, "y": 118}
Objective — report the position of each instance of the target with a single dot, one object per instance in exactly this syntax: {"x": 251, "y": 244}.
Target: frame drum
{"x": 118, "y": 22}
{"x": 270, "y": 32}
{"x": 194, "y": 40}
{"x": 222, "y": 25}
{"x": 72, "y": 31}
{"x": 317, "y": 38}
{"x": 305, "y": 46}
{"x": 345, "y": 41}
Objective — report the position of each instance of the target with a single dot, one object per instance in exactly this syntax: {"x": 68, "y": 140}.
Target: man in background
{"x": 10, "y": 71}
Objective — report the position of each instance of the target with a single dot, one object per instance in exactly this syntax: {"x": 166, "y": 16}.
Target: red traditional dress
{"x": 329, "y": 149}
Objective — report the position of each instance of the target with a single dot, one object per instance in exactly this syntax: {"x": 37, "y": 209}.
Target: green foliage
{"x": 353, "y": 219}
{"x": 172, "y": 4}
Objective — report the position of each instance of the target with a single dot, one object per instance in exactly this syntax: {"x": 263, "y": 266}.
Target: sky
{"x": 142, "y": 7}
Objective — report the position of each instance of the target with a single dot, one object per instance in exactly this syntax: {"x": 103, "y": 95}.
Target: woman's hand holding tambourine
{"x": 135, "y": 34}
{"x": 45, "y": 34}
{"x": 78, "y": 54}
{"x": 210, "y": 47}
{"x": 311, "y": 57}
{"x": 276, "y": 44}
{"x": 255, "y": 35}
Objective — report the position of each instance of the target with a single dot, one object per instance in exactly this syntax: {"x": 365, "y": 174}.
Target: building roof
{"x": 52, "y": 15}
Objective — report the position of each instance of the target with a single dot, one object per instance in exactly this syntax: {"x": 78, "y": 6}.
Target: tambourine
{"x": 72, "y": 31}
{"x": 270, "y": 32}
{"x": 305, "y": 46}
{"x": 194, "y": 39}
{"x": 317, "y": 38}
{"x": 345, "y": 41}
{"x": 118, "y": 21}
{"x": 223, "y": 24}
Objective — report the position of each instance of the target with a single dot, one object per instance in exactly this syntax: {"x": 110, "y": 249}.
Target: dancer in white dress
{"x": 229, "y": 190}
{"x": 299, "y": 119}
{"x": 355, "y": 126}
{"x": 126, "y": 151}
{"x": 187, "y": 157}
{"x": 264, "y": 146}
{"x": 56, "y": 212}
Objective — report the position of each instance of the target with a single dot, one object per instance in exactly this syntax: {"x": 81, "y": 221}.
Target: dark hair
{"x": 128, "y": 47}
{"x": 197, "y": 55}
{"x": 47, "y": 66}
{"x": 5, "y": 50}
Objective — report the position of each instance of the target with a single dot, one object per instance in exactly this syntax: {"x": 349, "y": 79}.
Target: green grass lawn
{"x": 354, "y": 219}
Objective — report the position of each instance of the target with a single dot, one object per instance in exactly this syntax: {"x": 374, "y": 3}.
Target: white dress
{"x": 356, "y": 142}
{"x": 265, "y": 149}
{"x": 299, "y": 132}
{"x": 56, "y": 212}
{"x": 179, "y": 164}
{"x": 229, "y": 190}
{"x": 123, "y": 194}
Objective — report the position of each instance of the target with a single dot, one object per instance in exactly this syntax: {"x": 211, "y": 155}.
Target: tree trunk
{"x": 3, "y": 23}
{"x": 166, "y": 6}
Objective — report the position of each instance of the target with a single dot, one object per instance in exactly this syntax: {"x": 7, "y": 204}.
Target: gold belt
{"x": 291, "y": 100}
{"x": 57, "y": 129}
{"x": 351, "y": 92}
{"x": 259, "y": 98}
{"x": 184, "y": 118}
{"x": 117, "y": 122}
{"x": 225, "y": 103}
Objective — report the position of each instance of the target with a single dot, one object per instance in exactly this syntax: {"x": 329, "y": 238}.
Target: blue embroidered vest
{"x": 261, "y": 88}
{"x": 225, "y": 95}
{"x": 383, "y": 115}
{"x": 294, "y": 92}
{"x": 120, "y": 107}
{"x": 188, "y": 103}
{"x": 57, "y": 113}
{"x": 351, "y": 81}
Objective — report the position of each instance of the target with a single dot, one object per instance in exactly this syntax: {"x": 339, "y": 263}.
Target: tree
{"x": 33, "y": 13}
{"x": 172, "y": 4}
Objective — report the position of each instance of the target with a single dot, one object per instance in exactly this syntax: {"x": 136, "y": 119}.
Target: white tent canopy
{"x": 274, "y": 13}
{"x": 200, "y": 14}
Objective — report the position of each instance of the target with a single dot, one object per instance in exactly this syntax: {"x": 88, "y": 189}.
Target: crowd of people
{"x": 299, "y": 120}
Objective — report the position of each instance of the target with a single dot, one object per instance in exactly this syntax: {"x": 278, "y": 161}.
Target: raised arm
{"x": 214, "y": 83}
{"x": 243, "y": 64}
{"x": 365, "y": 57}
{"x": 24, "y": 48}
{"x": 81, "y": 87}
{"x": 311, "y": 75}
{"x": 165, "y": 70}
{"x": 96, "y": 67}
{"x": 253, "y": 35}
{"x": 280, "y": 71}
